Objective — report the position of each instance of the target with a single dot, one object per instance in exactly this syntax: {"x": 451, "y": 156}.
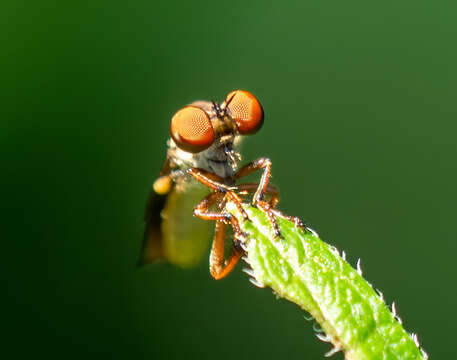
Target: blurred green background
{"x": 360, "y": 102}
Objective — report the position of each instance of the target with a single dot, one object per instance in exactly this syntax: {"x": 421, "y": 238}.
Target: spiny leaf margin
{"x": 303, "y": 269}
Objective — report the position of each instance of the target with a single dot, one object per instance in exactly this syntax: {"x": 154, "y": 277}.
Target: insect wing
{"x": 152, "y": 248}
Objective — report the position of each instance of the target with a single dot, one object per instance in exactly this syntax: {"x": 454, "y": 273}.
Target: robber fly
{"x": 203, "y": 162}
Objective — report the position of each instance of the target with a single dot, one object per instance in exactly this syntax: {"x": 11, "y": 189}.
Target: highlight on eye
{"x": 191, "y": 129}
{"x": 246, "y": 110}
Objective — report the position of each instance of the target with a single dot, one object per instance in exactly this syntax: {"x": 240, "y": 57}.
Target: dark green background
{"x": 360, "y": 102}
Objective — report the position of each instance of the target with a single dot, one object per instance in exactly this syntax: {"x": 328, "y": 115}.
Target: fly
{"x": 203, "y": 153}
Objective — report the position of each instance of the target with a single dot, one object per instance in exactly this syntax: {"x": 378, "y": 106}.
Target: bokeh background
{"x": 360, "y": 102}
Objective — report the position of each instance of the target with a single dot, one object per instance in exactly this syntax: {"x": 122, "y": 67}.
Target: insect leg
{"x": 269, "y": 212}
{"x": 258, "y": 164}
{"x": 216, "y": 183}
{"x": 210, "y": 180}
{"x": 265, "y": 164}
{"x": 201, "y": 211}
{"x": 219, "y": 267}
{"x": 249, "y": 188}
{"x": 298, "y": 222}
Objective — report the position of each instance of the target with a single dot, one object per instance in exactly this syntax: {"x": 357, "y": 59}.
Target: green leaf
{"x": 301, "y": 268}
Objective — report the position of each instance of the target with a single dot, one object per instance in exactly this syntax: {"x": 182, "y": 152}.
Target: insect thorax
{"x": 222, "y": 158}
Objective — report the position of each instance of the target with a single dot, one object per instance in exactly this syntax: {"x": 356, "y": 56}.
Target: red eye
{"x": 191, "y": 129}
{"x": 246, "y": 110}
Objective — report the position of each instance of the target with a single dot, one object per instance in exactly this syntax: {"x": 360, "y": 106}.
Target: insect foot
{"x": 299, "y": 224}
{"x": 266, "y": 208}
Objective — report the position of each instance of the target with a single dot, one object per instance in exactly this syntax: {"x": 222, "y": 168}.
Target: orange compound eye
{"x": 246, "y": 110}
{"x": 191, "y": 129}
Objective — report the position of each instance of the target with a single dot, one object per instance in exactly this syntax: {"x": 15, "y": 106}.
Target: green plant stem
{"x": 301, "y": 268}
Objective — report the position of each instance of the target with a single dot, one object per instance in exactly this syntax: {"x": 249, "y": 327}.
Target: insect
{"x": 203, "y": 153}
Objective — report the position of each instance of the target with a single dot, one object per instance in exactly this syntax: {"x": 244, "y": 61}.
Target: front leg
{"x": 249, "y": 188}
{"x": 218, "y": 267}
{"x": 260, "y": 163}
{"x": 216, "y": 183}
{"x": 257, "y": 200}
{"x": 210, "y": 179}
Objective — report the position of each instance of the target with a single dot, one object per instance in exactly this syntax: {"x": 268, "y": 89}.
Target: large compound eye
{"x": 191, "y": 129}
{"x": 246, "y": 110}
